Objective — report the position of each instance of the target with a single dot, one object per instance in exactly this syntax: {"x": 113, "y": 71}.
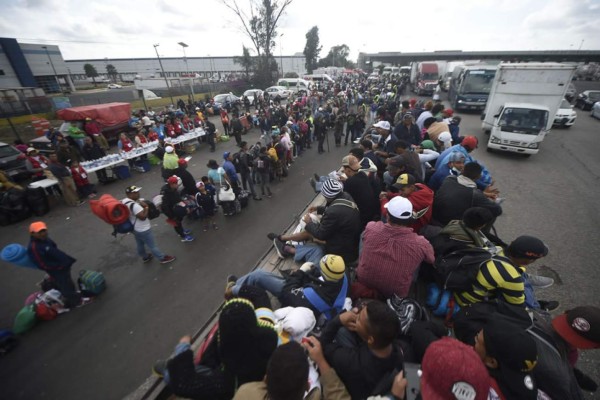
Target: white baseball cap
{"x": 383, "y": 125}
{"x": 400, "y": 207}
{"x": 169, "y": 149}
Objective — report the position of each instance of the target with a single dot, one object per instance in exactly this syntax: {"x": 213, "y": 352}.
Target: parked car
{"x": 113, "y": 86}
{"x": 586, "y": 99}
{"x": 596, "y": 110}
{"x": 222, "y": 99}
{"x": 571, "y": 92}
{"x": 566, "y": 115}
{"x": 280, "y": 91}
{"x": 250, "y": 93}
{"x": 12, "y": 162}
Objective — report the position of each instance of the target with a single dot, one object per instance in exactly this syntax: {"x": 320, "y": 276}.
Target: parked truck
{"x": 424, "y": 77}
{"x": 522, "y": 104}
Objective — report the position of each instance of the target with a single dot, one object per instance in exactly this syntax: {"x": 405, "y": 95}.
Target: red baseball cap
{"x": 470, "y": 142}
{"x": 580, "y": 327}
{"x": 173, "y": 179}
{"x": 448, "y": 111}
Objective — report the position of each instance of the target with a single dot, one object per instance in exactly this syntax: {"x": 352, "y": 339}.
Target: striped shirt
{"x": 496, "y": 278}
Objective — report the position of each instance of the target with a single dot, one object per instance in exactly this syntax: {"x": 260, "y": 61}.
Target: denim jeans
{"x": 143, "y": 239}
{"x": 530, "y": 300}
{"x": 309, "y": 252}
{"x": 263, "y": 279}
{"x": 200, "y": 369}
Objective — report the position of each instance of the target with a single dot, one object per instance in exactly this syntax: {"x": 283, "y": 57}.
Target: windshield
{"x": 523, "y": 120}
{"x": 429, "y": 76}
{"x": 8, "y": 151}
{"x": 595, "y": 96}
{"x": 478, "y": 82}
{"x": 565, "y": 104}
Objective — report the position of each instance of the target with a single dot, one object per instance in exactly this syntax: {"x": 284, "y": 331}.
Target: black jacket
{"x": 187, "y": 180}
{"x": 340, "y": 227}
{"x": 92, "y": 152}
{"x": 453, "y": 199}
{"x": 169, "y": 201}
{"x": 361, "y": 190}
{"x": 292, "y": 294}
{"x": 409, "y": 134}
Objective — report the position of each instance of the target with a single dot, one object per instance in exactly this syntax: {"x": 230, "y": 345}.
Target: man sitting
{"x": 391, "y": 254}
{"x": 454, "y": 166}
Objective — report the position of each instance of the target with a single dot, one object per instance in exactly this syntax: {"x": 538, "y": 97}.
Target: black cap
{"x": 527, "y": 247}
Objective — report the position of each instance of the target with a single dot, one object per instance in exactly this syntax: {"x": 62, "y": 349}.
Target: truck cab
{"x": 519, "y": 128}
{"x": 426, "y": 78}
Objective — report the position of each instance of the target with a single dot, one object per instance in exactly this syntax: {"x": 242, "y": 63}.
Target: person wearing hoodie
{"x": 420, "y": 196}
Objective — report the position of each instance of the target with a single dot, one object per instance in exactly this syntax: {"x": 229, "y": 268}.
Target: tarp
{"x": 107, "y": 115}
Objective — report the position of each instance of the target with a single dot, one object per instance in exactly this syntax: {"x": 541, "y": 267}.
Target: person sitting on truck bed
{"x": 466, "y": 147}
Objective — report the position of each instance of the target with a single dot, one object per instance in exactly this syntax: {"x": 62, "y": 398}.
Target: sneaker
{"x": 159, "y": 368}
{"x": 187, "y": 232}
{"x": 272, "y": 236}
{"x": 147, "y": 258}
{"x": 257, "y": 198}
{"x": 313, "y": 183}
{"x": 317, "y": 177}
{"x": 80, "y": 202}
{"x": 215, "y": 227}
{"x": 85, "y": 301}
{"x": 205, "y": 229}
{"x": 230, "y": 283}
{"x": 540, "y": 282}
{"x": 280, "y": 248}
{"x": 187, "y": 238}
{"x": 167, "y": 259}
{"x": 548, "y": 305}
{"x": 357, "y": 141}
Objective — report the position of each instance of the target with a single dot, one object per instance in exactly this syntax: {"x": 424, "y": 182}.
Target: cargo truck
{"x": 424, "y": 77}
{"x": 522, "y": 104}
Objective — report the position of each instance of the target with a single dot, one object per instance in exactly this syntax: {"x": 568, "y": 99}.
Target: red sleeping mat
{"x": 109, "y": 209}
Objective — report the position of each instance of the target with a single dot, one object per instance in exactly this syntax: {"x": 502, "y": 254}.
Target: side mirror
{"x": 482, "y": 116}
{"x": 496, "y": 116}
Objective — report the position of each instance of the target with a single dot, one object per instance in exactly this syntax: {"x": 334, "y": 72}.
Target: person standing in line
{"x": 65, "y": 180}
{"x": 142, "y": 227}
{"x": 57, "y": 264}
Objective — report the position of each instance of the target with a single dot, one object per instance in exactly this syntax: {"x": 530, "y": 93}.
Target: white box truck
{"x": 522, "y": 104}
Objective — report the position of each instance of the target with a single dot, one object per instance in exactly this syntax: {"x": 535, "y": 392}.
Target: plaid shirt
{"x": 390, "y": 257}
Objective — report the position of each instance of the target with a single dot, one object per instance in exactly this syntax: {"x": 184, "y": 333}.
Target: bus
{"x": 470, "y": 86}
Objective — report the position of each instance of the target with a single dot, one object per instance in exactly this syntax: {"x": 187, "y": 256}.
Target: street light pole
{"x": 53, "y": 69}
{"x": 163, "y": 72}
{"x": 187, "y": 70}
{"x": 281, "y": 55}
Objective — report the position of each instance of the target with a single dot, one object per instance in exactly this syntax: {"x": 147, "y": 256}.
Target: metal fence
{"x": 30, "y": 105}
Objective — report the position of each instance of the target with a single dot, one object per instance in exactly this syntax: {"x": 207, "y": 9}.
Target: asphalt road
{"x": 105, "y": 350}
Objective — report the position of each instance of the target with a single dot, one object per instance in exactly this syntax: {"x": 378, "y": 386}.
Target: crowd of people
{"x": 409, "y": 208}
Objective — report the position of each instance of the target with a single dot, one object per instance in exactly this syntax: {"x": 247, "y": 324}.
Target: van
{"x": 295, "y": 85}
{"x": 12, "y": 162}
{"x": 319, "y": 78}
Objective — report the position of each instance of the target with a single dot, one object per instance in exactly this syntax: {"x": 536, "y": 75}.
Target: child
{"x": 206, "y": 205}
{"x": 80, "y": 176}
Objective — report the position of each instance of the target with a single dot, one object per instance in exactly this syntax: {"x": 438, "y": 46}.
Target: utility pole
{"x": 163, "y": 72}
{"x": 187, "y": 69}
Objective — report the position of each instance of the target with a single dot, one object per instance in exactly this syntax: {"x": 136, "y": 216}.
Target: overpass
{"x": 365, "y": 60}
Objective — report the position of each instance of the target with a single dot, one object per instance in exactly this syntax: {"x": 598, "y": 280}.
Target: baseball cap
{"x": 445, "y": 137}
{"x": 407, "y": 116}
{"x": 427, "y": 144}
{"x": 169, "y": 149}
{"x": 399, "y": 207}
{"x": 453, "y": 371}
{"x": 351, "y": 162}
{"x": 516, "y": 353}
{"x": 199, "y": 185}
{"x": 30, "y": 149}
{"x": 528, "y": 247}
{"x": 132, "y": 189}
{"x": 173, "y": 179}
{"x": 580, "y": 327}
{"x": 404, "y": 180}
{"x": 226, "y": 155}
{"x": 448, "y": 111}
{"x": 469, "y": 142}
{"x": 456, "y": 156}
{"x": 383, "y": 125}
{"x": 182, "y": 161}
{"x": 331, "y": 188}
{"x": 332, "y": 267}
{"x": 37, "y": 226}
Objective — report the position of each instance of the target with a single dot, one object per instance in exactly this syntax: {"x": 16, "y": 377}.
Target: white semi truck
{"x": 522, "y": 104}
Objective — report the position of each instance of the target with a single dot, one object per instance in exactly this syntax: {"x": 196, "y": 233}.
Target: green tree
{"x": 246, "y": 61}
{"x": 312, "y": 49}
{"x": 258, "y": 21}
{"x": 337, "y": 57}
{"x": 90, "y": 72}
{"x": 291, "y": 75}
{"x": 112, "y": 73}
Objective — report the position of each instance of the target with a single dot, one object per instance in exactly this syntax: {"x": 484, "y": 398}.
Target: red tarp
{"x": 107, "y": 115}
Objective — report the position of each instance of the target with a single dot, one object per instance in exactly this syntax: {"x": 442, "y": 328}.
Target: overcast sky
{"x": 121, "y": 28}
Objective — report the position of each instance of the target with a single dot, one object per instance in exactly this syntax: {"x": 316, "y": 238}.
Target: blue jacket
{"x": 444, "y": 158}
{"x": 436, "y": 180}
{"x": 230, "y": 171}
{"x": 46, "y": 255}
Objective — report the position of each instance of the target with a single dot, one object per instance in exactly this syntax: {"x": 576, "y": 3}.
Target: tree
{"x": 337, "y": 57}
{"x": 246, "y": 61}
{"x": 312, "y": 49}
{"x": 111, "y": 71}
{"x": 291, "y": 75}
{"x": 90, "y": 72}
{"x": 259, "y": 23}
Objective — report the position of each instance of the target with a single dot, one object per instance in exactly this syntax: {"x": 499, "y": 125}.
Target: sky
{"x": 123, "y": 29}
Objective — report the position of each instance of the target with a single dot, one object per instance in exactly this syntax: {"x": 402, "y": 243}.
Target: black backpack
{"x": 237, "y": 162}
{"x": 457, "y": 271}
{"x": 153, "y": 211}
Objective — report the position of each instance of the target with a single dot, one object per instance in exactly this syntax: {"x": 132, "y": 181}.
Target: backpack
{"x": 127, "y": 226}
{"x": 237, "y": 162}
{"x": 153, "y": 211}
{"x": 25, "y": 320}
{"x": 457, "y": 271}
{"x": 91, "y": 283}
{"x": 330, "y": 311}
{"x": 303, "y": 127}
{"x": 408, "y": 311}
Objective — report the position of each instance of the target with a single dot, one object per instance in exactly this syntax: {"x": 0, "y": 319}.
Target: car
{"x": 12, "y": 162}
{"x": 250, "y": 93}
{"x": 280, "y": 91}
{"x": 586, "y": 99}
{"x": 596, "y": 110}
{"x": 113, "y": 86}
{"x": 571, "y": 92}
{"x": 222, "y": 99}
{"x": 565, "y": 115}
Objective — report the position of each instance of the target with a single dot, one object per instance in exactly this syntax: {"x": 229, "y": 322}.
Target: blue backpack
{"x": 330, "y": 311}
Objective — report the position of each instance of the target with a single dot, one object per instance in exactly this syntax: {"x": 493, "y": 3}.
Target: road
{"x": 105, "y": 350}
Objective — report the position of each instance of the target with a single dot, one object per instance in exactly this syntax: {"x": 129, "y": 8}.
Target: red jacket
{"x": 422, "y": 201}
{"x": 80, "y": 176}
